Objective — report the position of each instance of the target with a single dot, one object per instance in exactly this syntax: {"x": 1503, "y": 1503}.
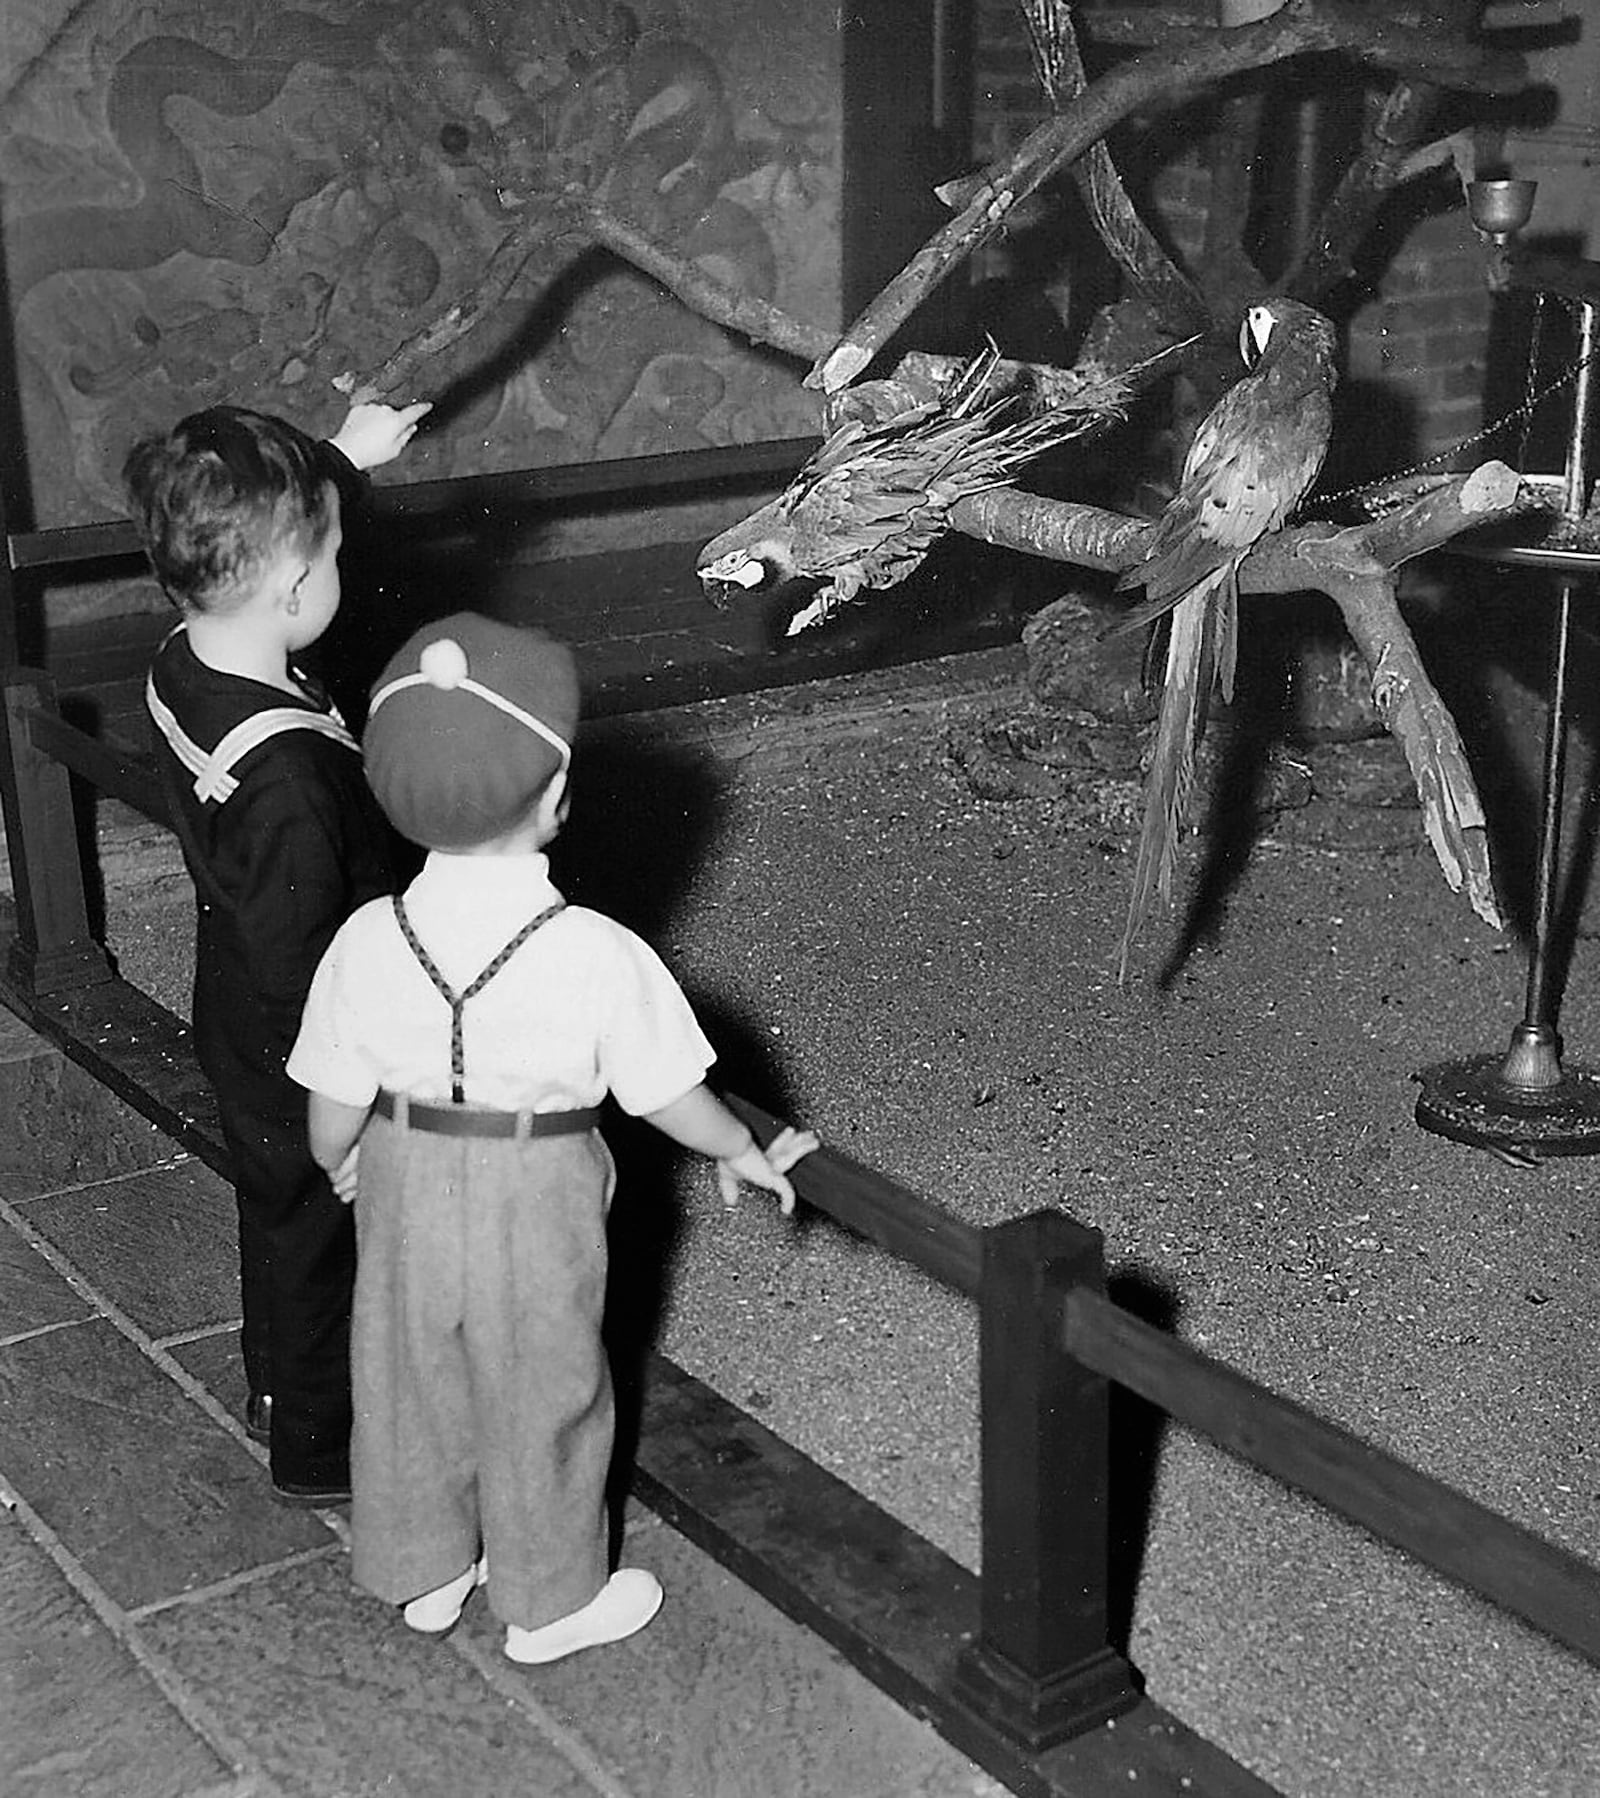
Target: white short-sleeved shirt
{"x": 583, "y": 1008}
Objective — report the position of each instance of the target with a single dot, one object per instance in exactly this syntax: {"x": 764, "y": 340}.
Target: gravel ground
{"x": 926, "y": 977}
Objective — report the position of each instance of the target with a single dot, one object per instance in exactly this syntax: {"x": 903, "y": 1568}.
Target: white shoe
{"x": 435, "y": 1611}
{"x": 623, "y": 1605}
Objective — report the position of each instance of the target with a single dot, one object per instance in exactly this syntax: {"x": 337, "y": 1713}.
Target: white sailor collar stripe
{"x": 213, "y": 770}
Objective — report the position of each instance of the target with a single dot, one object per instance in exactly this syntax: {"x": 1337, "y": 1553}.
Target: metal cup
{"x": 1499, "y": 209}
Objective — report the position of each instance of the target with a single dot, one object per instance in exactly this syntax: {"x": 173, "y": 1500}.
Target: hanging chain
{"x": 1532, "y": 400}
{"x": 1530, "y": 371}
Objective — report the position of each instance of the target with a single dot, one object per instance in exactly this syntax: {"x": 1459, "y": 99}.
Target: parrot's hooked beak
{"x": 1255, "y": 334}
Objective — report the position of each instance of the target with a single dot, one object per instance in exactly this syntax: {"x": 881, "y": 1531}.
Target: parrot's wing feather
{"x": 1170, "y": 782}
{"x": 1228, "y": 504}
{"x": 1250, "y": 463}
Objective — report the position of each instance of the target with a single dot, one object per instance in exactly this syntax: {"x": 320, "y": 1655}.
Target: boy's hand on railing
{"x": 766, "y": 1169}
{"x": 373, "y": 434}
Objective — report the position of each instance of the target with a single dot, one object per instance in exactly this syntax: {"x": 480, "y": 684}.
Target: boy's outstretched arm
{"x": 700, "y": 1121}
{"x": 335, "y": 1131}
{"x": 373, "y": 434}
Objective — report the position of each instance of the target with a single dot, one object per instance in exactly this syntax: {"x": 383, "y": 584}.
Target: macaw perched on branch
{"x": 1253, "y": 459}
{"x": 874, "y": 499}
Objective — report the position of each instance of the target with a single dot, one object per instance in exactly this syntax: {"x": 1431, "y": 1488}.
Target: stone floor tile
{"x": 335, "y": 1698}
{"x": 140, "y": 1485}
{"x": 216, "y": 1363}
{"x": 82, "y": 1719}
{"x": 62, "y": 1127}
{"x": 32, "y": 1294}
{"x": 721, "y": 1697}
{"x": 161, "y": 1245}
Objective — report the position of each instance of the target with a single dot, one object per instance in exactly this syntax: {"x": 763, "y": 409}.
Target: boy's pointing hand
{"x": 373, "y": 434}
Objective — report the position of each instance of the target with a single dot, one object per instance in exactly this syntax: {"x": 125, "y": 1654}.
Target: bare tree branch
{"x": 547, "y": 217}
{"x": 1395, "y": 124}
{"x": 735, "y": 311}
{"x": 1356, "y": 567}
{"x": 1132, "y": 245}
{"x": 1301, "y": 27}
{"x": 402, "y": 373}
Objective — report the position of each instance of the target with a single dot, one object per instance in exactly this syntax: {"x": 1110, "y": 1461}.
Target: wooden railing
{"x": 589, "y": 486}
{"x": 1017, "y": 1666}
{"x": 1033, "y": 1667}
{"x": 51, "y": 948}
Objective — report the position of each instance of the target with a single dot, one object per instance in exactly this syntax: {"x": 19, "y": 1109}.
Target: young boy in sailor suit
{"x": 456, "y": 1043}
{"x": 240, "y": 517}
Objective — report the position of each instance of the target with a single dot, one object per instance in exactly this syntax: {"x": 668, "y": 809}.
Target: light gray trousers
{"x": 483, "y": 1403}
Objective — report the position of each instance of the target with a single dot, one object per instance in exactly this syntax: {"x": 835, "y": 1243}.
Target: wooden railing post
{"x": 1041, "y": 1668}
{"x": 53, "y": 950}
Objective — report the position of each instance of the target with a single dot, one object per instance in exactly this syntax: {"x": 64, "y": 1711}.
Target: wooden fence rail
{"x": 114, "y": 772}
{"x": 1556, "y": 1592}
{"x": 620, "y": 481}
{"x": 1017, "y": 1671}
{"x": 1445, "y": 1530}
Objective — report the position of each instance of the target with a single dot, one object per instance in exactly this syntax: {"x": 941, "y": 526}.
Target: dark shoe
{"x": 310, "y": 1498}
{"x": 258, "y": 1417}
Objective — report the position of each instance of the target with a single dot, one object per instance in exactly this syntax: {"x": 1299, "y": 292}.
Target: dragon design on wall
{"x": 266, "y": 206}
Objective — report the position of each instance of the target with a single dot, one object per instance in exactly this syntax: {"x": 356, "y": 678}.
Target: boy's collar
{"x": 522, "y": 868}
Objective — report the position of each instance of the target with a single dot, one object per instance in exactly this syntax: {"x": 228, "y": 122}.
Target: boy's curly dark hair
{"x": 219, "y": 495}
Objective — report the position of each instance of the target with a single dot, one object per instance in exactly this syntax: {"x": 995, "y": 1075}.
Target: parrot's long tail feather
{"x": 1227, "y": 631}
{"x": 1191, "y": 667}
{"x": 1147, "y": 611}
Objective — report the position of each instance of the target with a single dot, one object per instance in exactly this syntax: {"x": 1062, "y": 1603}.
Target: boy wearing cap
{"x": 240, "y": 516}
{"x": 457, "y": 1042}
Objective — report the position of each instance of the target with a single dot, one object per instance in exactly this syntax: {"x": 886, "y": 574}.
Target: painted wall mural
{"x": 209, "y": 202}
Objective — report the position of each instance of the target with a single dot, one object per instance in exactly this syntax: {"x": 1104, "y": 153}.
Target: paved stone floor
{"x": 168, "y": 1631}
{"x": 156, "y": 1604}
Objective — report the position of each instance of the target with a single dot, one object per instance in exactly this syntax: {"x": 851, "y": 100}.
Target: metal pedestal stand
{"x": 1524, "y": 1105}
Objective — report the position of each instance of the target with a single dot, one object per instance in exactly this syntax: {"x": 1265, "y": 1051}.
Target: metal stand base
{"x": 1471, "y": 1102}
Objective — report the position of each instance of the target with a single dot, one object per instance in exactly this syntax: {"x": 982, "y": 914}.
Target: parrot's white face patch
{"x": 737, "y": 570}
{"x": 1255, "y": 334}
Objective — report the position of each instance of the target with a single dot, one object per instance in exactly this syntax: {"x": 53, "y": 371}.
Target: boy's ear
{"x": 284, "y": 579}
{"x": 556, "y": 796}
{"x": 551, "y": 813}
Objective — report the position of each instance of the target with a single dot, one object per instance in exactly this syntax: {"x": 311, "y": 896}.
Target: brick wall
{"x": 1417, "y": 348}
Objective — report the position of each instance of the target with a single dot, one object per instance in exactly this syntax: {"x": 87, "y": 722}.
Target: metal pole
{"x": 1555, "y": 773}
{"x": 1533, "y": 1061}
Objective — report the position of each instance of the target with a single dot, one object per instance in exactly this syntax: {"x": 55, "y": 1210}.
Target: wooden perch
{"x": 403, "y": 374}
{"x": 1194, "y": 62}
{"x": 727, "y": 306}
{"x": 1288, "y": 561}
{"x": 1355, "y": 566}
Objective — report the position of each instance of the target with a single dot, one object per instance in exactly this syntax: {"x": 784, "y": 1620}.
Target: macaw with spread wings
{"x": 1253, "y": 459}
